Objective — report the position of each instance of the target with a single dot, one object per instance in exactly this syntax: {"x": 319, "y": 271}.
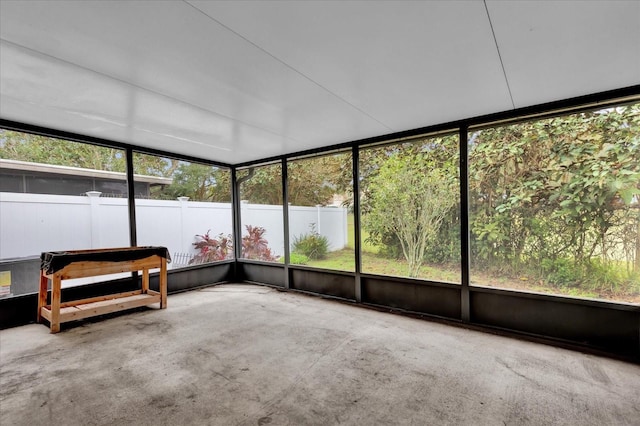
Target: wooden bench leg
{"x": 42, "y": 295}
{"x": 145, "y": 281}
{"x": 163, "y": 283}
{"x": 56, "y": 293}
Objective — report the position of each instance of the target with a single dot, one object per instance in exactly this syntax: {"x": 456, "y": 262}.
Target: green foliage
{"x": 314, "y": 181}
{"x": 296, "y": 259}
{"x": 42, "y": 149}
{"x": 311, "y": 181}
{"x": 607, "y": 278}
{"x": 388, "y": 243}
{"x": 446, "y": 249}
{"x": 312, "y": 245}
{"x": 561, "y": 272}
{"x": 261, "y": 185}
{"x": 557, "y": 199}
{"x": 200, "y": 182}
{"x": 597, "y": 277}
{"x": 553, "y": 201}
{"x": 411, "y": 193}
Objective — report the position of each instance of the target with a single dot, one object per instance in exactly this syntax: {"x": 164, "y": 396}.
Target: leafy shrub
{"x": 388, "y": 244}
{"x": 211, "y": 249}
{"x": 445, "y": 247}
{"x": 312, "y": 245}
{"x": 255, "y": 246}
{"x": 610, "y": 277}
{"x": 561, "y": 272}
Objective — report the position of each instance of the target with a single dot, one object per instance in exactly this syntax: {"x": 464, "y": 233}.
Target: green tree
{"x": 46, "y": 150}
{"x": 443, "y": 154}
{"x": 311, "y": 181}
{"x": 200, "y": 182}
{"x": 261, "y": 184}
{"x": 314, "y": 181}
{"x": 410, "y": 198}
{"x": 42, "y": 149}
{"x": 557, "y": 192}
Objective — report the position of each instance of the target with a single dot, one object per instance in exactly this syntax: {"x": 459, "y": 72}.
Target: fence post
{"x": 183, "y": 214}
{"x": 345, "y": 227}
{"x": 94, "y": 202}
{"x": 318, "y": 227}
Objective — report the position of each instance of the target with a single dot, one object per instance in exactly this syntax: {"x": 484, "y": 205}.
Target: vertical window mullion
{"x": 464, "y": 224}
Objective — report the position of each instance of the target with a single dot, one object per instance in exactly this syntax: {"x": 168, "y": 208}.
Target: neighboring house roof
{"x": 25, "y": 166}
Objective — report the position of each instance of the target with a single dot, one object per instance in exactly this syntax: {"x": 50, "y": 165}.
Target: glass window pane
{"x": 57, "y": 195}
{"x": 185, "y": 207}
{"x": 261, "y": 212}
{"x": 554, "y": 205}
{"x": 320, "y": 218}
{"x": 410, "y": 209}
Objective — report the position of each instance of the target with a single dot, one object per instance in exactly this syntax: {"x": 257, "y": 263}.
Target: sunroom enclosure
{"x": 527, "y": 221}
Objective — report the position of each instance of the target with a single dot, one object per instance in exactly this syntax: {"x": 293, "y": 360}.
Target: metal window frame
{"x": 466, "y": 305}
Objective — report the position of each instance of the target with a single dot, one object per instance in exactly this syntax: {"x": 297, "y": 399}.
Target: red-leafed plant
{"x": 255, "y": 246}
{"x": 212, "y": 249}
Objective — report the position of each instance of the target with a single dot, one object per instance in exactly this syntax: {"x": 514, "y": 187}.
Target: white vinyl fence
{"x": 33, "y": 223}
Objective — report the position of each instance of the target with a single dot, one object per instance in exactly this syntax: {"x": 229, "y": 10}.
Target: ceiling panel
{"x": 555, "y": 50}
{"x": 407, "y": 64}
{"x": 56, "y": 94}
{"x": 173, "y": 50}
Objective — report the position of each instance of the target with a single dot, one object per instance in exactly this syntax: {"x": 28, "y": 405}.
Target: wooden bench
{"x": 58, "y": 266}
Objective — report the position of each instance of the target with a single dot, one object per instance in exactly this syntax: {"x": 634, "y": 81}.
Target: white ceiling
{"x": 240, "y": 81}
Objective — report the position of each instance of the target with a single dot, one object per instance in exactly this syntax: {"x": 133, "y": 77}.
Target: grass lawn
{"x": 343, "y": 260}
{"x": 374, "y": 263}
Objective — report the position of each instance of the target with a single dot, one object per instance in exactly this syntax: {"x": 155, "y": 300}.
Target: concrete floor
{"x": 242, "y": 354}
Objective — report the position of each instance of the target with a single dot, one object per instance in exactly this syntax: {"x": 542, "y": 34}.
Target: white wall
{"x": 268, "y": 217}
{"x": 33, "y": 223}
{"x": 330, "y": 222}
